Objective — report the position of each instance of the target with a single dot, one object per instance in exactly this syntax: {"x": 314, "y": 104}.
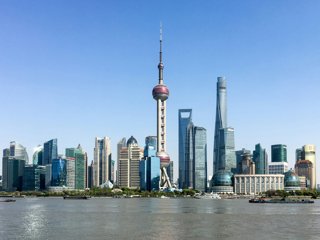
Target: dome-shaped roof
{"x": 222, "y": 178}
{"x": 291, "y": 179}
{"x": 131, "y": 140}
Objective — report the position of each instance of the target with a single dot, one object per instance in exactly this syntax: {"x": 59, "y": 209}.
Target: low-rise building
{"x": 259, "y": 183}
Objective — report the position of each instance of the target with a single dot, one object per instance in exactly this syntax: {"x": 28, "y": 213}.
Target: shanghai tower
{"x": 221, "y": 121}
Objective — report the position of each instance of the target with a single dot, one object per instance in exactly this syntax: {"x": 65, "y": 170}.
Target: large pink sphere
{"x": 160, "y": 92}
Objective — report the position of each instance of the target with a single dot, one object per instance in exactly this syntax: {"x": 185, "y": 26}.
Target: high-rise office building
{"x": 279, "y": 153}
{"x": 102, "y": 161}
{"x": 304, "y": 168}
{"x": 227, "y": 155}
{"x": 37, "y": 157}
{"x": 192, "y": 153}
{"x": 200, "y": 159}
{"x": 150, "y": 166}
{"x": 221, "y": 121}
{"x": 309, "y": 153}
{"x": 122, "y": 143}
{"x": 298, "y": 154}
{"x": 248, "y": 166}
{"x": 185, "y": 118}
{"x": 59, "y": 172}
{"x": 50, "y": 151}
{"x": 13, "y": 162}
{"x": 90, "y": 176}
{"x": 34, "y": 178}
{"x": 76, "y": 167}
{"x": 260, "y": 157}
{"x": 160, "y": 93}
{"x": 18, "y": 151}
{"x": 239, "y": 155}
{"x": 129, "y": 162}
{"x": 189, "y": 157}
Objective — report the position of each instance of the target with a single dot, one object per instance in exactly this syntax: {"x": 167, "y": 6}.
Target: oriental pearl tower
{"x": 160, "y": 93}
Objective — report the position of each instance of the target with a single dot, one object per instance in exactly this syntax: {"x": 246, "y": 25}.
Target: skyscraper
{"x": 59, "y": 172}
{"x": 76, "y": 167}
{"x": 226, "y": 153}
{"x": 102, "y": 161}
{"x": 184, "y": 118}
{"x": 279, "y": 153}
{"x": 121, "y": 144}
{"x": 161, "y": 93}
{"x": 50, "y": 151}
{"x": 221, "y": 120}
{"x": 150, "y": 166}
{"x": 189, "y": 157}
{"x": 304, "y": 168}
{"x": 13, "y": 162}
{"x": 239, "y": 156}
{"x": 260, "y": 158}
{"x": 200, "y": 159}
{"x": 309, "y": 153}
{"x": 37, "y": 157}
{"x": 129, "y": 162}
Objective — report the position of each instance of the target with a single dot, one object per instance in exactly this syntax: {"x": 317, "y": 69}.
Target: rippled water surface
{"x": 107, "y": 218}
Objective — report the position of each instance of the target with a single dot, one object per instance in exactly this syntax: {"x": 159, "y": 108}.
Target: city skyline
{"x": 67, "y": 81}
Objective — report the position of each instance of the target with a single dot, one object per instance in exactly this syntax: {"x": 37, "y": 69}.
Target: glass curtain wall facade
{"x": 102, "y": 161}
{"x": 59, "y": 172}
{"x": 37, "y": 157}
{"x": 221, "y": 121}
{"x": 184, "y": 118}
{"x": 50, "y": 151}
{"x": 227, "y": 157}
{"x": 279, "y": 153}
{"x": 150, "y": 166}
{"x": 260, "y": 159}
{"x": 13, "y": 162}
{"x": 189, "y": 158}
{"x": 239, "y": 155}
{"x": 200, "y": 159}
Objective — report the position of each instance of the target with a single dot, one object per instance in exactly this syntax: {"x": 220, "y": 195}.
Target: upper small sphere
{"x": 160, "y": 66}
{"x": 160, "y": 92}
{"x": 131, "y": 140}
{"x": 222, "y": 178}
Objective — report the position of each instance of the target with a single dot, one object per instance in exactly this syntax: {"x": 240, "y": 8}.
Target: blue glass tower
{"x": 59, "y": 172}
{"x": 260, "y": 159}
{"x": 50, "y": 151}
{"x": 185, "y": 118}
{"x": 149, "y": 167}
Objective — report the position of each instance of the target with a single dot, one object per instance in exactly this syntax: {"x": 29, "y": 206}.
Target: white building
{"x": 278, "y": 167}
{"x": 255, "y": 184}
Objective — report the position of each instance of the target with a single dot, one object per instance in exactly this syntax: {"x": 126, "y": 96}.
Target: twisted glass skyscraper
{"x": 221, "y": 121}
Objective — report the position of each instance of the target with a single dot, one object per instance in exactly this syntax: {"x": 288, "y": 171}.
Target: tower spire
{"x": 160, "y": 66}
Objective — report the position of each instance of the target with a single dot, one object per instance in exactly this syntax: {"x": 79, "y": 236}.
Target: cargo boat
{"x": 76, "y": 197}
{"x": 282, "y": 200}
{"x": 8, "y": 200}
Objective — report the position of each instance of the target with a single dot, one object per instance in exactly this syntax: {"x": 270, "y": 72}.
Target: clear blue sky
{"x": 74, "y": 70}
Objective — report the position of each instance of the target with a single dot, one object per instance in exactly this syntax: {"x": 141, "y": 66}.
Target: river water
{"x": 108, "y": 218}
